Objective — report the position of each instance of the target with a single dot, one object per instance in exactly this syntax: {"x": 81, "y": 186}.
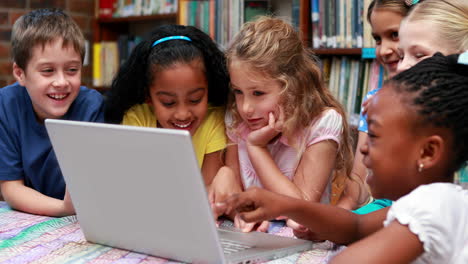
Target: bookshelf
{"x": 114, "y": 22}
{"x": 346, "y": 65}
{"x": 108, "y": 29}
{"x": 117, "y": 28}
{"x": 340, "y": 36}
{"x": 226, "y": 17}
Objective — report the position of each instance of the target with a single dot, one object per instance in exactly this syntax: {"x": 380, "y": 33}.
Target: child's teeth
{"x": 56, "y": 96}
{"x": 182, "y": 125}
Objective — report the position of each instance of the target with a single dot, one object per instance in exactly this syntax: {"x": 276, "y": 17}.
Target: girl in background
{"x": 443, "y": 36}
{"x": 384, "y": 17}
{"x": 433, "y": 26}
{"x": 422, "y": 33}
{"x": 176, "y": 79}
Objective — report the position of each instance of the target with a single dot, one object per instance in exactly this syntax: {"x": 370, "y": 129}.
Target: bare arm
{"x": 269, "y": 173}
{"x": 211, "y": 165}
{"x": 232, "y": 161}
{"x": 28, "y": 200}
{"x": 325, "y": 221}
{"x": 392, "y": 244}
{"x": 227, "y": 180}
{"x": 312, "y": 175}
{"x": 336, "y": 224}
{"x": 356, "y": 193}
{"x": 315, "y": 169}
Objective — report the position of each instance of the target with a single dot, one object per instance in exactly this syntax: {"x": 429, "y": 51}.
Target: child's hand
{"x": 261, "y": 137}
{"x": 365, "y": 104}
{"x": 301, "y": 231}
{"x": 68, "y": 207}
{"x": 255, "y": 205}
{"x": 224, "y": 185}
{"x": 247, "y": 227}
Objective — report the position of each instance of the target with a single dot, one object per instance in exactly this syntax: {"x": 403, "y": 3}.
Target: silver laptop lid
{"x": 122, "y": 180}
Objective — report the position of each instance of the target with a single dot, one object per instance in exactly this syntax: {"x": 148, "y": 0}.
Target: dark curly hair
{"x": 131, "y": 84}
{"x": 438, "y": 89}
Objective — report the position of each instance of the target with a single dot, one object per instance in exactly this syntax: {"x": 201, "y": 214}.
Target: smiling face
{"x": 392, "y": 148}
{"x": 385, "y": 25}
{"x": 179, "y": 95}
{"x": 52, "y": 78}
{"x": 256, "y": 96}
{"x": 419, "y": 40}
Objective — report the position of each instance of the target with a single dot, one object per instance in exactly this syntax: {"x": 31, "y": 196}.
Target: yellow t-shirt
{"x": 209, "y": 137}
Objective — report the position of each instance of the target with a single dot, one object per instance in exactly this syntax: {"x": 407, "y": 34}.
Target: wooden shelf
{"x": 338, "y": 52}
{"x": 112, "y": 20}
{"x": 108, "y": 29}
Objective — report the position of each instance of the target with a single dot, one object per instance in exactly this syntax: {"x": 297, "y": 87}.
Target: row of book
{"x": 335, "y": 23}
{"x": 350, "y": 79}
{"x": 108, "y": 56}
{"x": 105, "y": 63}
{"x": 126, "y": 8}
{"x": 222, "y": 19}
{"x": 200, "y": 14}
{"x": 340, "y": 24}
{"x": 229, "y": 19}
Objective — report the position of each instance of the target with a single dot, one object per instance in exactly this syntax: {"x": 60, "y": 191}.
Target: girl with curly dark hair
{"x": 176, "y": 78}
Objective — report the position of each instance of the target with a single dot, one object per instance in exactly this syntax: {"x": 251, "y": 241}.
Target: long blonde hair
{"x": 272, "y": 47}
{"x": 450, "y": 17}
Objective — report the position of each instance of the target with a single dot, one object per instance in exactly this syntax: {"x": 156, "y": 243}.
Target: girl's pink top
{"x": 328, "y": 126}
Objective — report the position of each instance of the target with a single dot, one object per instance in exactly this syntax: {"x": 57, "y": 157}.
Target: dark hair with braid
{"x": 438, "y": 89}
{"x": 134, "y": 78}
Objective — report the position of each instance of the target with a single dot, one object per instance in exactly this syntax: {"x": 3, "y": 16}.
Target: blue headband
{"x": 411, "y": 2}
{"x": 170, "y": 38}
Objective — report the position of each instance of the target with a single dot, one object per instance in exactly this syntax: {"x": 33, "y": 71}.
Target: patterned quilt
{"x": 26, "y": 238}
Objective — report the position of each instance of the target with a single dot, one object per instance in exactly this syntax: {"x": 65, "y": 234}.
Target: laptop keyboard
{"x": 230, "y": 246}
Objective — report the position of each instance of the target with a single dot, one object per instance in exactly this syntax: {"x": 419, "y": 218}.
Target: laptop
{"x": 141, "y": 189}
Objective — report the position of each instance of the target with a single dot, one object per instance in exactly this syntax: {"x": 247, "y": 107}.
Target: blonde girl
{"x": 445, "y": 30}
{"x": 433, "y": 26}
{"x": 289, "y": 133}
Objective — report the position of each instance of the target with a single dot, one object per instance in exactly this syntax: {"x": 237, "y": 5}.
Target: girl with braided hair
{"x": 418, "y": 127}
{"x": 177, "y": 78}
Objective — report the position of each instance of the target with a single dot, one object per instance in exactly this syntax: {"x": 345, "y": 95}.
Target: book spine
{"x": 97, "y": 78}
{"x": 106, "y": 8}
{"x": 315, "y": 15}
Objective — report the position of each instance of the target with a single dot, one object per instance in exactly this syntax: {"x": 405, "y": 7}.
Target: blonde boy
{"x": 48, "y": 51}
